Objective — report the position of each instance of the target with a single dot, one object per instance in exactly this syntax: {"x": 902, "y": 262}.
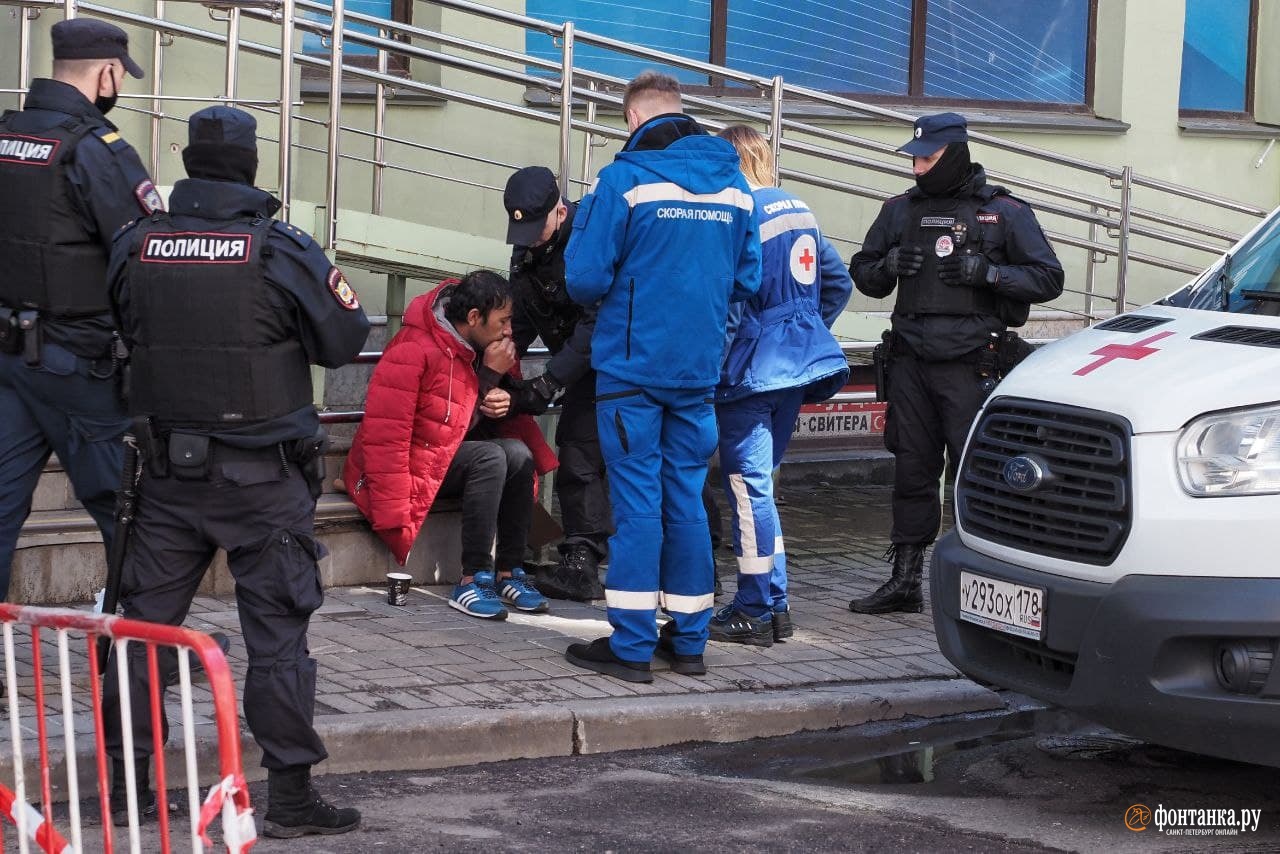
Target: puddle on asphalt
{"x": 905, "y": 753}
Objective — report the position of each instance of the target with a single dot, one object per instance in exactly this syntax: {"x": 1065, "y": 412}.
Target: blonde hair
{"x": 754, "y": 152}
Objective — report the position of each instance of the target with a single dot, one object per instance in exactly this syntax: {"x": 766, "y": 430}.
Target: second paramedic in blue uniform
{"x": 781, "y": 354}
{"x": 224, "y": 310}
{"x": 967, "y": 260}
{"x": 664, "y": 241}
{"x": 70, "y": 182}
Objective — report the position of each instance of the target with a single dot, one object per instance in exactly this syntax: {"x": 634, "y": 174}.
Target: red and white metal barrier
{"x": 31, "y": 702}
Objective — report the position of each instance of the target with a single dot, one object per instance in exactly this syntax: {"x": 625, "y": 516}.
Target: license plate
{"x": 1011, "y": 608}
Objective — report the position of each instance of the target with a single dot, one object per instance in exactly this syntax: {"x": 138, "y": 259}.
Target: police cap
{"x": 933, "y": 132}
{"x": 223, "y": 126}
{"x": 531, "y": 194}
{"x": 86, "y": 38}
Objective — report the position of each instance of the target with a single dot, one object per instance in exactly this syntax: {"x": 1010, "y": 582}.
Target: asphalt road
{"x": 1037, "y": 780}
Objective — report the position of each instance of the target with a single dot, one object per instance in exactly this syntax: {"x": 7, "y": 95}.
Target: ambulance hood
{"x": 1178, "y": 364}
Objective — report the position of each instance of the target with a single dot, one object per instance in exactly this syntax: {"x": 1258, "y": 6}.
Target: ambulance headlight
{"x": 1231, "y": 453}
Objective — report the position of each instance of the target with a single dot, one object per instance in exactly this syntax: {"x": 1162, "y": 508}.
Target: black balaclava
{"x": 217, "y": 162}
{"x": 949, "y": 175}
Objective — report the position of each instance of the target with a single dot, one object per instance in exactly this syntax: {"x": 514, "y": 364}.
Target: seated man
{"x": 437, "y": 423}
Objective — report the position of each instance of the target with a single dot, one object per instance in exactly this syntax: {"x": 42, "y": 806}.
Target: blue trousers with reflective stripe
{"x": 656, "y": 443}
{"x": 754, "y": 433}
{"x": 56, "y": 406}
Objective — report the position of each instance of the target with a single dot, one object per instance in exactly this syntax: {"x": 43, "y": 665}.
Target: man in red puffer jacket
{"x": 439, "y": 421}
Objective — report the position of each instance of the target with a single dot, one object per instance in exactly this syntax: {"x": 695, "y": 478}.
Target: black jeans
{"x": 580, "y": 480}
{"x": 494, "y": 479}
{"x": 931, "y": 407}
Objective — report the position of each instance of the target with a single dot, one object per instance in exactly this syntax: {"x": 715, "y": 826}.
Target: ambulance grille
{"x": 1080, "y": 509}
{"x": 1252, "y": 336}
{"x": 1132, "y": 323}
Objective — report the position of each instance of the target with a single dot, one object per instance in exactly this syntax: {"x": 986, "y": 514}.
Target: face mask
{"x": 104, "y": 103}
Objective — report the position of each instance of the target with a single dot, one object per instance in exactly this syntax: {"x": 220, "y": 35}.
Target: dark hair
{"x": 483, "y": 290}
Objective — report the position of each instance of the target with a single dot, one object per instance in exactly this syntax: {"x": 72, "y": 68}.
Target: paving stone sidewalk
{"x": 377, "y": 657}
{"x": 426, "y": 686}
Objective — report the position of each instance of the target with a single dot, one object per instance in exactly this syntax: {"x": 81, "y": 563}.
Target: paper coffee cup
{"x": 398, "y": 588}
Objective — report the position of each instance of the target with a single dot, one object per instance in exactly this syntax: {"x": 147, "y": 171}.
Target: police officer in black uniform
{"x": 967, "y": 259}
{"x": 223, "y": 310}
{"x": 540, "y": 222}
{"x": 70, "y": 182}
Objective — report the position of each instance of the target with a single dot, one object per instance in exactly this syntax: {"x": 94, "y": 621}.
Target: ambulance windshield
{"x": 1248, "y": 278}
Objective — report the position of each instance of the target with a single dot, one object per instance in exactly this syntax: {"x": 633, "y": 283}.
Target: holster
{"x": 1011, "y": 351}
{"x": 155, "y": 458}
{"x": 29, "y": 325}
{"x": 881, "y": 354}
{"x": 987, "y": 364}
{"x": 309, "y": 454}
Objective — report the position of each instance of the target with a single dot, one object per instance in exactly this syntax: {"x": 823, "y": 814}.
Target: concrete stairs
{"x": 60, "y": 558}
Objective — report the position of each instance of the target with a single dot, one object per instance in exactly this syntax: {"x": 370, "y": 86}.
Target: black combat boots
{"x": 296, "y": 809}
{"x": 902, "y": 591}
{"x": 575, "y": 577}
{"x": 120, "y": 792}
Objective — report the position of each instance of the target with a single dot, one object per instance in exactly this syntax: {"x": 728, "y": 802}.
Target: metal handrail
{"x": 578, "y": 93}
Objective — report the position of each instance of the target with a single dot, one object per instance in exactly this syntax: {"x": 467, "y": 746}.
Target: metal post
{"x": 1090, "y": 267}
{"x": 231, "y": 80}
{"x": 395, "y": 302}
{"x": 24, "y": 53}
{"x": 157, "y": 89}
{"x": 566, "y": 104}
{"x": 286, "y": 105}
{"x": 69, "y": 9}
{"x": 775, "y": 129}
{"x": 1122, "y": 254}
{"x": 588, "y": 138}
{"x": 379, "y": 128}
{"x": 335, "y": 124}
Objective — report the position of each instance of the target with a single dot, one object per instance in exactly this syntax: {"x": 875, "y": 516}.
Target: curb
{"x": 425, "y": 740}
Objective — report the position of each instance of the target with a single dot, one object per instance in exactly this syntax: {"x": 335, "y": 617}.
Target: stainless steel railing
{"x": 1105, "y": 216}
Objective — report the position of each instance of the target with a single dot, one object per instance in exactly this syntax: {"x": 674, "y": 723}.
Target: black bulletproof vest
{"x": 942, "y": 227}
{"x": 204, "y": 353}
{"x": 51, "y": 262}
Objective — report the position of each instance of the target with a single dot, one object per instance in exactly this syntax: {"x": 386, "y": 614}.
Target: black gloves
{"x": 972, "y": 270}
{"x": 534, "y": 396}
{"x": 904, "y": 261}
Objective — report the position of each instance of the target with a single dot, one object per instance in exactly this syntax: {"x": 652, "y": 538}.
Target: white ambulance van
{"x": 1115, "y": 508}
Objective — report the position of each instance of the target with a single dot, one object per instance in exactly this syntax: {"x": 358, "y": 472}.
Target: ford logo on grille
{"x": 1024, "y": 474}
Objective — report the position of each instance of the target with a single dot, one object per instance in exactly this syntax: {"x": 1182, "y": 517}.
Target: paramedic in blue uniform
{"x": 967, "y": 260}
{"x": 781, "y": 354}
{"x": 663, "y": 243}
{"x": 224, "y": 310}
{"x": 70, "y": 182}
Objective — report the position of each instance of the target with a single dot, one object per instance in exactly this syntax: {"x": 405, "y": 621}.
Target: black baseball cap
{"x": 87, "y": 38}
{"x": 933, "y": 132}
{"x": 531, "y": 194}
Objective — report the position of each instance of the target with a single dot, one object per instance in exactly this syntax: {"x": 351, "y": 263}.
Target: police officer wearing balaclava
{"x": 224, "y": 309}
{"x": 967, "y": 260}
{"x": 70, "y": 182}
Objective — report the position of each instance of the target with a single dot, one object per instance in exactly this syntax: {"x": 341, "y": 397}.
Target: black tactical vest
{"x": 51, "y": 262}
{"x": 204, "y": 353}
{"x": 942, "y": 227}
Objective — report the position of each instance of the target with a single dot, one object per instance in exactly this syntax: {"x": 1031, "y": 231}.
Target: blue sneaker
{"x": 518, "y": 592}
{"x": 479, "y": 598}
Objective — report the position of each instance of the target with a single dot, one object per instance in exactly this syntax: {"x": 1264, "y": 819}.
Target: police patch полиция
{"x": 193, "y": 247}
{"x": 27, "y": 150}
